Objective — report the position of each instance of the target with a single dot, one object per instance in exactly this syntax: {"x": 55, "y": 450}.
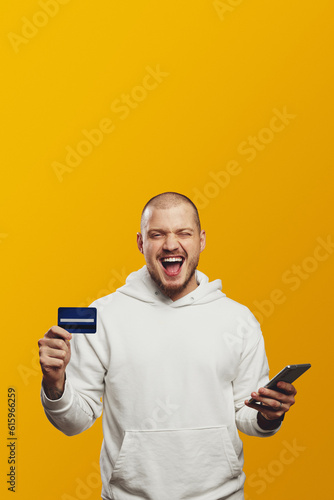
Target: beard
{"x": 172, "y": 290}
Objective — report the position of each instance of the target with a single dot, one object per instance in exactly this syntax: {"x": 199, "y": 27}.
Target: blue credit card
{"x": 78, "y": 319}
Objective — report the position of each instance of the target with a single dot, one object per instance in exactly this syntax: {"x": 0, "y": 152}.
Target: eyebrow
{"x": 185, "y": 229}
{"x": 157, "y": 230}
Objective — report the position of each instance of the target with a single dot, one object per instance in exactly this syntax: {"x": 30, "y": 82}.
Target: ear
{"x": 202, "y": 237}
{"x": 140, "y": 242}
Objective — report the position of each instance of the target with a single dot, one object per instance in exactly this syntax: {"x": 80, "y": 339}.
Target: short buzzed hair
{"x": 170, "y": 199}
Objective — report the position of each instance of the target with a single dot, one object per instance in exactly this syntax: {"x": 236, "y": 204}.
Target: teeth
{"x": 172, "y": 259}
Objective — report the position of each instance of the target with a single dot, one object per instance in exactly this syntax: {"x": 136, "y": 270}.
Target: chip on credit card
{"x": 78, "y": 319}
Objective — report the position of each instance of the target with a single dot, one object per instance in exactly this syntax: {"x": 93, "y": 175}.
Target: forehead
{"x": 171, "y": 218}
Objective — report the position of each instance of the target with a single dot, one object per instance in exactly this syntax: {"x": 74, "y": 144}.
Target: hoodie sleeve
{"x": 253, "y": 373}
{"x": 80, "y": 403}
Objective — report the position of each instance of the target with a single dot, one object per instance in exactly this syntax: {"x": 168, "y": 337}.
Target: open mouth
{"x": 172, "y": 265}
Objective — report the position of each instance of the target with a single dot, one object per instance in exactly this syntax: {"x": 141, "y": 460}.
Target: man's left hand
{"x": 274, "y": 404}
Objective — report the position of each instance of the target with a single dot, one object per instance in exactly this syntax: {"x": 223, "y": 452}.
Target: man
{"x": 174, "y": 360}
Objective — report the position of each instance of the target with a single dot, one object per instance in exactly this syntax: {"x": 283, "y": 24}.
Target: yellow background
{"x": 66, "y": 241}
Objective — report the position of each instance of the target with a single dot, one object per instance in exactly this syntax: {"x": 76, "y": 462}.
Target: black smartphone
{"x": 289, "y": 374}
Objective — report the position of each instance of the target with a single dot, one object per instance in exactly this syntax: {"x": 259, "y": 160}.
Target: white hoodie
{"x": 173, "y": 377}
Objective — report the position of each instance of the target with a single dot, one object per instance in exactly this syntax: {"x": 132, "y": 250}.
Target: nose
{"x": 171, "y": 243}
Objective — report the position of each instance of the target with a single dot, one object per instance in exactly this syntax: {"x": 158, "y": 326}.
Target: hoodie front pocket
{"x": 174, "y": 464}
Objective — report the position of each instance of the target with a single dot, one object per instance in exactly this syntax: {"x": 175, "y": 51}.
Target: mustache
{"x": 170, "y": 254}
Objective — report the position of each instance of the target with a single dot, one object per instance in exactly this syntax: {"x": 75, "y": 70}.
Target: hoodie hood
{"x": 139, "y": 285}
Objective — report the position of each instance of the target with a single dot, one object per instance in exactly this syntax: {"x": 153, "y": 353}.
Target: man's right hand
{"x": 54, "y": 356}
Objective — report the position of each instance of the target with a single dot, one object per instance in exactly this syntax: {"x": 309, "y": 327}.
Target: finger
{"x": 52, "y": 365}
{"x": 273, "y": 399}
{"x": 55, "y": 353}
{"x": 58, "y": 332}
{"x": 266, "y": 411}
{"x": 49, "y": 363}
{"x": 54, "y": 343}
{"x": 287, "y": 388}
{"x": 265, "y": 403}
{"x": 271, "y": 394}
